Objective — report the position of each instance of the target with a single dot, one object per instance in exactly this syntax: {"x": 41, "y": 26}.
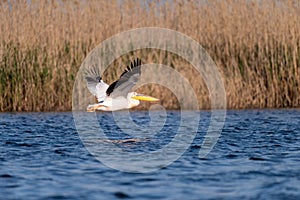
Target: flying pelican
{"x": 116, "y": 96}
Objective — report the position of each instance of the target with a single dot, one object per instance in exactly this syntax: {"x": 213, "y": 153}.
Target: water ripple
{"x": 256, "y": 157}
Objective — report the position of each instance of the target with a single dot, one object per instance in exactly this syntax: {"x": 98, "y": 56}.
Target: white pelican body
{"x": 118, "y": 103}
{"x": 116, "y": 96}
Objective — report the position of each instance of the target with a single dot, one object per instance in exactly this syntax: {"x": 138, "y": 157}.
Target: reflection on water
{"x": 257, "y": 156}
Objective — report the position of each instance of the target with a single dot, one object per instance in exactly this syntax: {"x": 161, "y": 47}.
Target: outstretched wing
{"x": 96, "y": 85}
{"x": 126, "y": 81}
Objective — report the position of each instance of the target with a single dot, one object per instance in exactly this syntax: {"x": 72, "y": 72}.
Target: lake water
{"x": 256, "y": 157}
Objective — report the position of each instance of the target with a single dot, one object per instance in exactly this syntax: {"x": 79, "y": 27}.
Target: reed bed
{"x": 255, "y": 44}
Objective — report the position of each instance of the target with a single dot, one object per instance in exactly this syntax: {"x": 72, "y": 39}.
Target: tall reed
{"x": 255, "y": 44}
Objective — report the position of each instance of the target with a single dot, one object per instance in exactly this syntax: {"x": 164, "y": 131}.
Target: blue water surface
{"x": 256, "y": 157}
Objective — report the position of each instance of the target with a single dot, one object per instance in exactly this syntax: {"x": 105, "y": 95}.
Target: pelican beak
{"x": 144, "y": 98}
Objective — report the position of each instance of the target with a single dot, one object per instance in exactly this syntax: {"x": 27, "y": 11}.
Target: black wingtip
{"x": 133, "y": 67}
{"x": 135, "y": 63}
{"x": 93, "y": 79}
{"x": 92, "y": 74}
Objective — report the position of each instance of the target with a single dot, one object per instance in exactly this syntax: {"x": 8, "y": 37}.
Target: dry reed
{"x": 255, "y": 44}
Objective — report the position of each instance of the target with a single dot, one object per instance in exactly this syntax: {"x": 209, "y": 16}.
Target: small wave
{"x": 6, "y": 176}
{"x": 121, "y": 195}
{"x": 256, "y": 158}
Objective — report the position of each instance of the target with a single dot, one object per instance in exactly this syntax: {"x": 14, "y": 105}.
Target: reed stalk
{"x": 255, "y": 44}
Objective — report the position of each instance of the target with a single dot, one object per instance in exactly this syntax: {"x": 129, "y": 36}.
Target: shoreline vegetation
{"x": 255, "y": 44}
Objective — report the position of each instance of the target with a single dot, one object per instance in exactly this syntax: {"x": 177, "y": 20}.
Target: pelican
{"x": 116, "y": 96}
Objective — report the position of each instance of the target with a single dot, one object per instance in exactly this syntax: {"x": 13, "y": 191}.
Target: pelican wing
{"x": 96, "y": 85}
{"x": 126, "y": 81}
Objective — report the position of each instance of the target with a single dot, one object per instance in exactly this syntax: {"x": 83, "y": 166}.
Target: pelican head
{"x": 135, "y": 98}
